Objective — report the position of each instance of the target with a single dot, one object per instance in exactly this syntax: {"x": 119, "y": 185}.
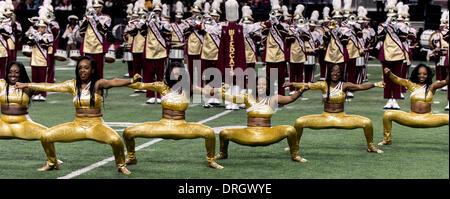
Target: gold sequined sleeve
{"x": 154, "y": 86}
{"x": 243, "y": 98}
{"x": 311, "y": 86}
{"x": 65, "y": 87}
{"x": 403, "y": 82}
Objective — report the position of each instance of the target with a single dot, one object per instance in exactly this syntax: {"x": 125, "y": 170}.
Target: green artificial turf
{"x": 416, "y": 153}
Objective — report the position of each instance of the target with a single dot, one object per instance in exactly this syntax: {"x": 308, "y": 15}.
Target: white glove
{"x": 96, "y": 17}
{"x": 274, "y": 20}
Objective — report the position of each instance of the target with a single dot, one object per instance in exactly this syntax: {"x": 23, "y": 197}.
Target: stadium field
{"x": 332, "y": 154}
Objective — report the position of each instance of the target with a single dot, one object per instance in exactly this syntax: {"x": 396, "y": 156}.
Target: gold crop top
{"x": 261, "y": 109}
{"x": 15, "y": 96}
{"x": 69, "y": 86}
{"x": 417, "y": 91}
{"x": 337, "y": 96}
{"x": 171, "y": 99}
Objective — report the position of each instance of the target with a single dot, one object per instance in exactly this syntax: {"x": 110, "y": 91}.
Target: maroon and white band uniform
{"x": 194, "y": 44}
{"x": 52, "y": 28}
{"x": 274, "y": 54}
{"x": 296, "y": 55}
{"x": 4, "y": 49}
{"x": 93, "y": 30}
{"x": 392, "y": 55}
{"x": 39, "y": 57}
{"x": 14, "y": 40}
{"x": 155, "y": 53}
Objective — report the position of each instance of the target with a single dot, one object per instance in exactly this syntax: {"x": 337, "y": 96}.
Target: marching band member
{"x": 212, "y": 30}
{"x": 296, "y": 47}
{"x": 392, "y": 54}
{"x": 313, "y": 39}
{"x": 333, "y": 94}
{"x": 322, "y": 48}
{"x": 5, "y": 31}
{"x": 155, "y": 51}
{"x": 87, "y": 92}
{"x": 194, "y": 38}
{"x": 16, "y": 29}
{"x": 135, "y": 32}
{"x": 40, "y": 40}
{"x": 439, "y": 46}
{"x": 353, "y": 46}
{"x": 69, "y": 36}
{"x": 422, "y": 90}
{"x": 52, "y": 28}
{"x": 128, "y": 39}
{"x": 274, "y": 55}
{"x": 252, "y": 34}
{"x": 93, "y": 29}
{"x": 368, "y": 39}
{"x": 15, "y": 122}
{"x": 336, "y": 52}
{"x": 173, "y": 124}
{"x": 177, "y": 28}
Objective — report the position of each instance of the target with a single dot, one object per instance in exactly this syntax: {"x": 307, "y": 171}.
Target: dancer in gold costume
{"x": 172, "y": 125}
{"x": 333, "y": 94}
{"x": 259, "y": 131}
{"x": 15, "y": 122}
{"x": 422, "y": 90}
{"x": 87, "y": 93}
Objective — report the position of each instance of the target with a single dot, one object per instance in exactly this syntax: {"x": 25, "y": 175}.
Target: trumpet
{"x": 90, "y": 13}
{"x": 393, "y": 21}
{"x": 352, "y": 19}
{"x": 143, "y": 17}
{"x": 208, "y": 20}
{"x": 153, "y": 17}
{"x": 198, "y": 19}
{"x": 300, "y": 22}
{"x": 273, "y": 13}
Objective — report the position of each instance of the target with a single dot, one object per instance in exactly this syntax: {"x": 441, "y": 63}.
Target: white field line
{"x": 105, "y": 161}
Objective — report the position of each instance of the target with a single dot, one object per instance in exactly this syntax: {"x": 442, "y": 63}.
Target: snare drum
{"x": 310, "y": 60}
{"x": 110, "y": 57}
{"x": 176, "y": 53}
{"x": 127, "y": 56}
{"x": 74, "y": 54}
{"x": 26, "y": 50}
{"x": 360, "y": 61}
{"x": 61, "y": 55}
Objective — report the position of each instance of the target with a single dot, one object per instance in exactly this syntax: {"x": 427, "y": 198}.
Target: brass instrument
{"x": 153, "y": 17}
{"x": 142, "y": 16}
{"x": 300, "y": 22}
{"x": 198, "y": 19}
{"x": 393, "y": 21}
{"x": 352, "y": 19}
{"x": 273, "y": 13}
{"x": 208, "y": 20}
{"x": 332, "y": 24}
{"x": 90, "y": 13}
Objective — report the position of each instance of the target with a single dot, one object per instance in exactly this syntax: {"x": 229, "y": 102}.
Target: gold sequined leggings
{"x": 21, "y": 127}
{"x": 336, "y": 120}
{"x": 415, "y": 120}
{"x": 85, "y": 128}
{"x": 259, "y": 136}
{"x": 170, "y": 129}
